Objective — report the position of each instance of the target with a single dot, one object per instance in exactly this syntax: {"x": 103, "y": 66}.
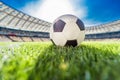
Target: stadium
{"x": 26, "y": 51}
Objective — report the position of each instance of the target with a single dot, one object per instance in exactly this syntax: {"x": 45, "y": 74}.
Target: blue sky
{"x": 92, "y": 12}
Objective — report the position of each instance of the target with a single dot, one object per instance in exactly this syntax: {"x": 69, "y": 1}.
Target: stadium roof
{"x": 12, "y": 18}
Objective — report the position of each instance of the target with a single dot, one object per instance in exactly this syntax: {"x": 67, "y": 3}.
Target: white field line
{"x": 7, "y": 50}
{"x": 10, "y": 46}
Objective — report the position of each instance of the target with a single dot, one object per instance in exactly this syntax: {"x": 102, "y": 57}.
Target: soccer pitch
{"x": 44, "y": 61}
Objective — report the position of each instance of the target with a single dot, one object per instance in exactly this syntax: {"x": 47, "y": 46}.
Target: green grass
{"x": 44, "y": 61}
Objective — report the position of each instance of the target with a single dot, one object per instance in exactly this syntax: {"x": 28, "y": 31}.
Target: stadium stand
{"x": 104, "y": 31}
{"x": 21, "y": 35}
{"x": 18, "y": 26}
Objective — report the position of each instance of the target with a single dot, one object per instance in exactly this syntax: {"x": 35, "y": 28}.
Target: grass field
{"x": 44, "y": 61}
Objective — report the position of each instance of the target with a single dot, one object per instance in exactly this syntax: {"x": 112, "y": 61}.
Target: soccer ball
{"x": 67, "y": 30}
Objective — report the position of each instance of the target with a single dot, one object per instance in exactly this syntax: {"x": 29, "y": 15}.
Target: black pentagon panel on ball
{"x": 58, "y": 26}
{"x": 71, "y": 43}
{"x": 80, "y": 24}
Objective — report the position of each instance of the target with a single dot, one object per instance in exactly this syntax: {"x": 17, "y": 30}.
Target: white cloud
{"x": 49, "y": 10}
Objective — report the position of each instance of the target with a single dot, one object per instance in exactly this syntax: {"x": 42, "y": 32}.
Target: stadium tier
{"x": 18, "y": 26}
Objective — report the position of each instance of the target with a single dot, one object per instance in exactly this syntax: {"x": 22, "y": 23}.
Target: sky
{"x": 91, "y": 12}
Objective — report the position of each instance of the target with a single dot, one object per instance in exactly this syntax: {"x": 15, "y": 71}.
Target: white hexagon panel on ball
{"x": 67, "y": 30}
